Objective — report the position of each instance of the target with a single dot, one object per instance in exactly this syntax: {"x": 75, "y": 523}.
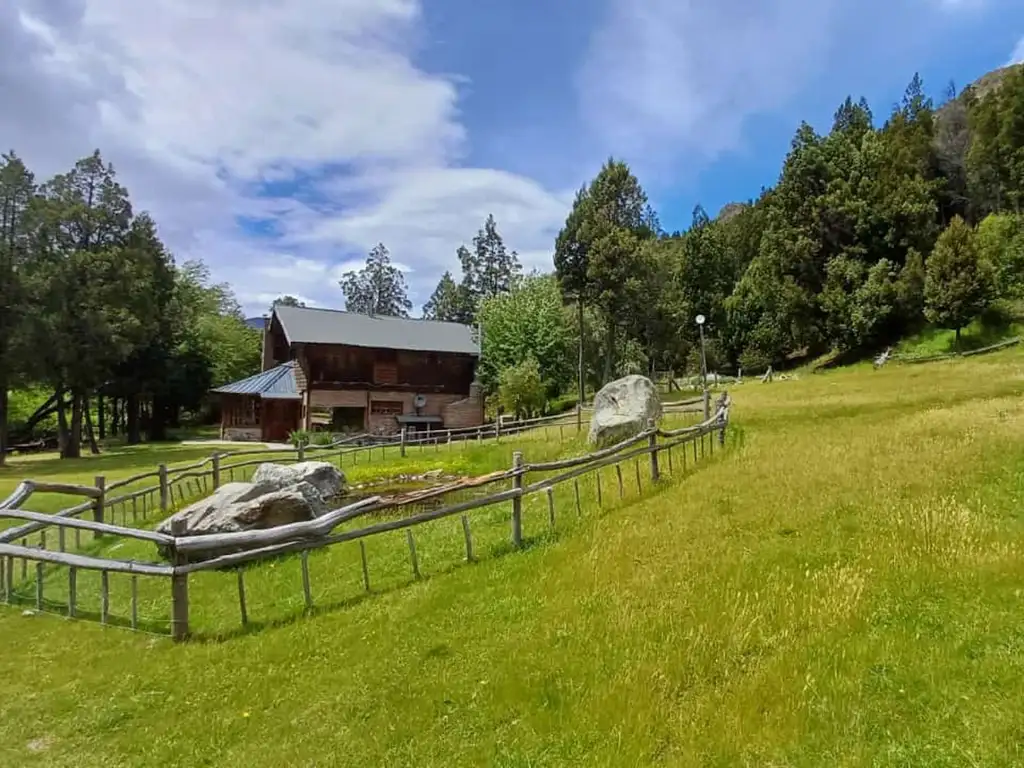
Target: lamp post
{"x": 703, "y": 358}
{"x": 704, "y": 369}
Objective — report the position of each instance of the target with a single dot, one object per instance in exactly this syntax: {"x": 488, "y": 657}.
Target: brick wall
{"x": 468, "y": 412}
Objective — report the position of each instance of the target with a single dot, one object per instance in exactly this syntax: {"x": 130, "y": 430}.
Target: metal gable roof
{"x": 305, "y": 325}
{"x": 276, "y": 383}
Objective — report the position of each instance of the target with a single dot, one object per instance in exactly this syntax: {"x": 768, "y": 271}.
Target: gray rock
{"x": 622, "y": 409}
{"x": 245, "y": 506}
{"x": 326, "y": 478}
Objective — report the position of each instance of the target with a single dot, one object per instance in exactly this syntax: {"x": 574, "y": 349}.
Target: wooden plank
{"x": 236, "y": 558}
{"x": 412, "y": 553}
{"x": 469, "y": 538}
{"x": 88, "y": 525}
{"x": 618, "y": 474}
{"x": 84, "y": 562}
{"x": 597, "y": 481}
{"x": 72, "y": 592}
{"x": 636, "y": 465}
{"x": 306, "y": 529}
{"x": 9, "y": 568}
{"x": 241, "y": 597}
{"x": 101, "y": 502}
{"x": 306, "y": 591}
{"x": 39, "y": 586}
{"x": 366, "y": 567}
{"x": 551, "y": 506}
{"x": 179, "y": 588}
{"x": 576, "y": 490}
{"x": 517, "y": 500}
{"x": 135, "y": 601}
{"x": 104, "y": 597}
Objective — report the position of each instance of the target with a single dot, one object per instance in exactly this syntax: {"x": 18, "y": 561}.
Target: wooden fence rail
{"x": 214, "y": 552}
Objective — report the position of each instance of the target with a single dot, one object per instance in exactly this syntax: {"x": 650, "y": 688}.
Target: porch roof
{"x": 277, "y": 383}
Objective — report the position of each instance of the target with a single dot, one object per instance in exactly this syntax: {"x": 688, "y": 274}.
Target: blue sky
{"x": 280, "y": 140}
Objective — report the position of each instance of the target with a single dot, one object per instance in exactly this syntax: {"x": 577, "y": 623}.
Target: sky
{"x": 280, "y": 140}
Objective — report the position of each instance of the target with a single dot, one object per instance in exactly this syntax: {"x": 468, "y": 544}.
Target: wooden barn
{"x": 344, "y": 373}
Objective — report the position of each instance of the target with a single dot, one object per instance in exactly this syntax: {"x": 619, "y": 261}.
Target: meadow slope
{"x": 842, "y": 586}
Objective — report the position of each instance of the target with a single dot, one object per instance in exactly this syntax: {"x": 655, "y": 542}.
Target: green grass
{"x": 1001, "y": 323}
{"x": 842, "y": 586}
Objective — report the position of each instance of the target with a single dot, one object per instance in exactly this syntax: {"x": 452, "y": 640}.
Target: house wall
{"x": 338, "y": 366}
{"x": 457, "y": 409}
{"x": 244, "y": 434}
{"x": 468, "y": 412}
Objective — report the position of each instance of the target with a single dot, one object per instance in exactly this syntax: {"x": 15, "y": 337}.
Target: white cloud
{"x": 1017, "y": 57}
{"x": 197, "y": 102}
{"x": 664, "y": 78}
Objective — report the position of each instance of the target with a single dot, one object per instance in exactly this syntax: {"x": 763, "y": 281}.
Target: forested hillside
{"x": 872, "y": 230}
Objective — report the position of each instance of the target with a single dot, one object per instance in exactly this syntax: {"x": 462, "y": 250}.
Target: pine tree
{"x": 958, "y": 283}
{"x": 448, "y": 302}
{"x": 378, "y": 288}
{"x": 490, "y": 268}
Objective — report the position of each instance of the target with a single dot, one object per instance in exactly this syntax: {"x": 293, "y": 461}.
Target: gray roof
{"x": 305, "y": 325}
{"x": 276, "y": 383}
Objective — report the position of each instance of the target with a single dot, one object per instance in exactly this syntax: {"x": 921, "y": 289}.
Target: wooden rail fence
{"x": 232, "y": 551}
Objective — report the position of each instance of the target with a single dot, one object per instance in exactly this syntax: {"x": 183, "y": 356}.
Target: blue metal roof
{"x": 276, "y": 383}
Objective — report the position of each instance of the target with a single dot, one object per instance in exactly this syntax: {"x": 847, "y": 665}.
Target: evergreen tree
{"x": 449, "y": 302}
{"x": 17, "y": 197}
{"x": 958, "y": 282}
{"x": 378, "y": 288}
{"x": 490, "y": 268}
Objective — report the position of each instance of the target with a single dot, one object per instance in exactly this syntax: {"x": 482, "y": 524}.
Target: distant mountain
{"x": 256, "y": 323}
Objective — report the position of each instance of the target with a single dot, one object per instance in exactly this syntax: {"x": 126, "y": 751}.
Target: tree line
{"x": 94, "y": 309}
{"x": 871, "y": 232}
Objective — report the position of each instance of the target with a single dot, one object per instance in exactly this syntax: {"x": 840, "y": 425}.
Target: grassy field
{"x": 842, "y": 586}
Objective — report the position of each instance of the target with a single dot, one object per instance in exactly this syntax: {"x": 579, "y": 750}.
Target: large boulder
{"x": 326, "y": 478}
{"x": 622, "y": 410}
{"x": 246, "y": 506}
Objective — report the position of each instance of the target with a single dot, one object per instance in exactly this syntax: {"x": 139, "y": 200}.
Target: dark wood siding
{"x": 339, "y": 366}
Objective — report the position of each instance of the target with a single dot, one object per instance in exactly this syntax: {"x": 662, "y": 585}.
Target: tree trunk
{"x": 157, "y": 421}
{"x": 609, "y": 352}
{"x": 579, "y": 368}
{"x": 90, "y": 433}
{"x": 116, "y": 409}
{"x": 3, "y": 418}
{"x": 956, "y": 344}
{"x": 73, "y": 446}
{"x": 131, "y": 415}
{"x": 101, "y": 415}
{"x": 62, "y": 423}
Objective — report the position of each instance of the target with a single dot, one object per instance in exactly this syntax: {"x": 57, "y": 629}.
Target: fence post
{"x": 101, "y": 501}
{"x": 301, "y": 451}
{"x": 179, "y": 587}
{"x": 216, "y": 471}
{"x": 497, "y": 428}
{"x": 401, "y": 448}
{"x": 163, "y": 487}
{"x": 517, "y": 501}
{"x": 579, "y": 417}
{"x": 652, "y": 441}
{"x": 707, "y": 405}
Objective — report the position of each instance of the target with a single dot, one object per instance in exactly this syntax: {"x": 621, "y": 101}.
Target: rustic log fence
{"x": 913, "y": 359}
{"x": 232, "y": 551}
